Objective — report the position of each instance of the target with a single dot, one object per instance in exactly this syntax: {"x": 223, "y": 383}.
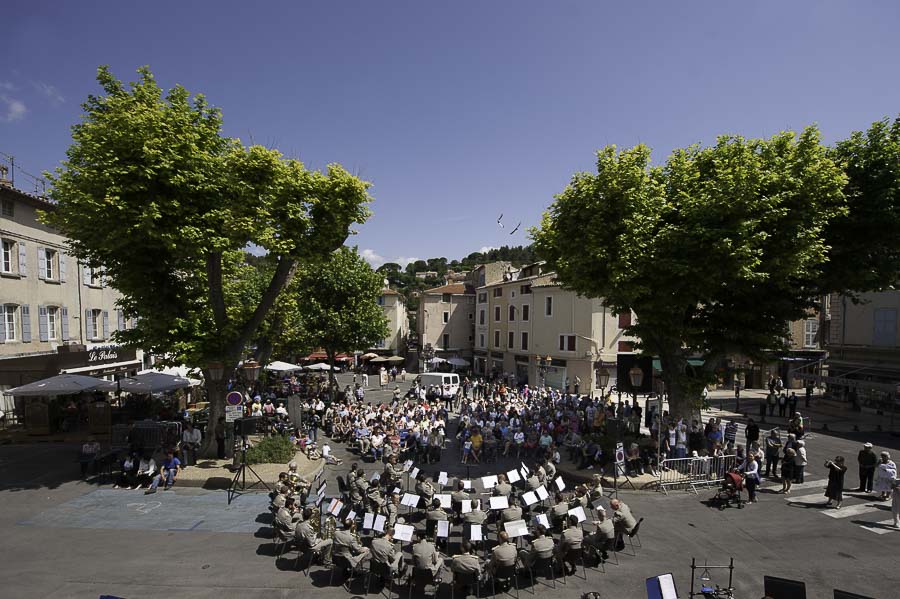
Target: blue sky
{"x": 459, "y": 111}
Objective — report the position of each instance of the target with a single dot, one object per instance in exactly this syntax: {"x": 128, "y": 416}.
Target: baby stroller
{"x": 730, "y": 493}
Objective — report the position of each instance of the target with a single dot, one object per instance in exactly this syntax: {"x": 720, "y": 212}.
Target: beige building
{"x": 525, "y": 317}
{"x": 56, "y": 315}
{"x": 445, "y": 320}
{"x": 398, "y": 323}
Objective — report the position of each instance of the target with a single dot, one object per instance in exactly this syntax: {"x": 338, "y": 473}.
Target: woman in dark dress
{"x": 835, "y": 489}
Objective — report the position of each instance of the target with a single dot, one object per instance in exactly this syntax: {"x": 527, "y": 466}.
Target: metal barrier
{"x": 690, "y": 473}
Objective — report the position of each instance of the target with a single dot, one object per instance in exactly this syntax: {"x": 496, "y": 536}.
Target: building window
{"x": 810, "y": 332}
{"x": 10, "y": 321}
{"x": 548, "y": 306}
{"x": 445, "y": 297}
{"x": 498, "y": 292}
{"x": 511, "y": 340}
{"x": 525, "y": 312}
{"x": 48, "y": 263}
{"x": 524, "y": 341}
{"x": 625, "y": 320}
{"x": 471, "y": 316}
{"x": 8, "y": 256}
{"x": 512, "y": 313}
{"x": 446, "y": 317}
{"x": 482, "y": 298}
{"x": 446, "y": 339}
{"x": 885, "y": 333}
{"x": 52, "y": 323}
{"x": 625, "y": 346}
{"x": 497, "y": 339}
{"x": 525, "y": 289}
{"x": 567, "y": 343}
{"x": 94, "y": 277}
{"x": 481, "y": 340}
{"x": 94, "y": 326}
{"x": 481, "y": 317}
{"x": 380, "y": 300}
{"x": 6, "y": 208}
{"x": 496, "y": 313}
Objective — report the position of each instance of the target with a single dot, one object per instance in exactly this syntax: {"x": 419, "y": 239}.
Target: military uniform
{"x": 436, "y": 514}
{"x": 602, "y": 539}
{"x": 533, "y": 481}
{"x": 346, "y": 545}
{"x": 466, "y": 563}
{"x": 426, "y": 557}
{"x": 513, "y": 512}
{"x": 286, "y": 520}
{"x": 392, "y": 512}
{"x": 541, "y": 548}
{"x": 307, "y": 538}
{"x": 425, "y": 490}
{"x": 474, "y": 517}
{"x": 385, "y": 551}
{"x": 503, "y": 489}
{"x": 550, "y": 470}
{"x": 623, "y": 520}
{"x": 503, "y": 554}
{"x": 570, "y": 541}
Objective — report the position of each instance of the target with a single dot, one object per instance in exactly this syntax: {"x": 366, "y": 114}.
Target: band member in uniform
{"x": 623, "y": 521}
{"x": 604, "y": 536}
{"x": 308, "y": 539}
{"x": 513, "y": 512}
{"x": 503, "y": 554}
{"x": 384, "y": 551}
{"x": 425, "y": 556}
{"x": 503, "y": 487}
{"x": 466, "y": 562}
{"x": 393, "y": 473}
{"x": 347, "y": 545}
{"x": 541, "y": 547}
{"x": 393, "y": 510}
{"x": 559, "y": 511}
{"x": 424, "y": 489}
{"x": 476, "y": 516}
{"x": 459, "y": 495}
{"x": 570, "y": 544}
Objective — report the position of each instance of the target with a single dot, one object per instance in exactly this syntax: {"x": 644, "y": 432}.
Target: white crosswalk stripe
{"x": 807, "y": 499}
{"x": 880, "y": 528}
{"x": 807, "y": 484}
{"x": 853, "y": 510}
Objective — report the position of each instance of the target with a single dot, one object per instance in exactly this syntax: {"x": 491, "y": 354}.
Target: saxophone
{"x": 329, "y": 527}
{"x": 315, "y": 520}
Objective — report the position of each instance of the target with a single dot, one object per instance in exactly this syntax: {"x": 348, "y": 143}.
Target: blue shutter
{"x": 88, "y": 325}
{"x": 85, "y": 274}
{"x": 105, "y": 324}
{"x": 62, "y": 267}
{"x": 2, "y": 323}
{"x": 25, "y": 314}
{"x": 42, "y": 324}
{"x": 42, "y": 272}
{"x": 64, "y": 318}
{"x": 23, "y": 260}
{"x": 121, "y": 318}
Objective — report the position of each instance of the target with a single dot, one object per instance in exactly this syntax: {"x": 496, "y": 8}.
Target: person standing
{"x": 782, "y": 404}
{"x": 800, "y": 462}
{"x": 751, "y": 432}
{"x": 867, "y": 461}
{"x": 773, "y": 452}
{"x": 885, "y": 473}
{"x": 787, "y": 470}
{"x": 835, "y": 489}
{"x": 895, "y": 502}
{"x": 750, "y": 468}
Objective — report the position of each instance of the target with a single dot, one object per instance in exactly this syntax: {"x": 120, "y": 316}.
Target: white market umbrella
{"x": 319, "y": 366}
{"x": 458, "y": 362}
{"x": 396, "y": 359}
{"x": 61, "y": 384}
{"x": 368, "y": 356}
{"x": 436, "y": 360}
{"x": 378, "y": 360}
{"x": 279, "y": 366}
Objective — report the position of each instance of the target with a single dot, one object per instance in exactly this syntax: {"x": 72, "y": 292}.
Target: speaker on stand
{"x": 244, "y": 427}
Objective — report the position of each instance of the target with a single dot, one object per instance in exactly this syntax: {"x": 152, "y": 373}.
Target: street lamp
{"x": 427, "y": 354}
{"x": 251, "y": 370}
{"x": 636, "y": 376}
{"x": 602, "y": 379}
{"x": 216, "y": 370}
{"x": 543, "y": 364}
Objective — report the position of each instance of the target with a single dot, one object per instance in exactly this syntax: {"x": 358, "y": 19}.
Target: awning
{"x": 100, "y": 368}
{"x": 657, "y": 364}
{"x": 323, "y": 356}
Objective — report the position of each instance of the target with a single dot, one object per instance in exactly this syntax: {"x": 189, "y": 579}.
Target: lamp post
{"x": 602, "y": 379}
{"x": 427, "y": 355}
{"x": 636, "y": 377}
{"x": 543, "y": 364}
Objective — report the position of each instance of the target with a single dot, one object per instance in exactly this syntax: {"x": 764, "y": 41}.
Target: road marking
{"x": 809, "y": 484}
{"x": 853, "y": 510}
{"x": 880, "y": 528}
{"x": 807, "y": 499}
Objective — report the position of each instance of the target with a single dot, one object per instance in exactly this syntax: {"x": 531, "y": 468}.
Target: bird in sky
{"x": 516, "y": 229}
{"x": 499, "y": 220}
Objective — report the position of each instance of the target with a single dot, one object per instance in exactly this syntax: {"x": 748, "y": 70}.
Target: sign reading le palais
{"x": 99, "y": 355}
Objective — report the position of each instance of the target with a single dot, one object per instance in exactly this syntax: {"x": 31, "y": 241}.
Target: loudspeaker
{"x": 848, "y": 595}
{"x": 245, "y": 426}
{"x": 784, "y": 588}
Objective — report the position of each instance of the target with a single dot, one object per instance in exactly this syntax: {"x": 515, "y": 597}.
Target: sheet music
{"x": 414, "y": 473}
{"x": 396, "y": 490}
{"x": 530, "y": 498}
{"x": 407, "y": 465}
{"x": 476, "y": 532}
{"x": 443, "y": 528}
{"x": 542, "y": 493}
{"x": 321, "y": 489}
{"x": 466, "y": 505}
{"x": 442, "y": 478}
{"x": 489, "y": 482}
{"x": 410, "y": 499}
{"x": 578, "y": 511}
{"x": 444, "y": 498}
{"x": 337, "y": 508}
{"x": 542, "y": 519}
{"x": 351, "y": 515}
{"x": 525, "y": 469}
{"x": 516, "y": 528}
{"x": 319, "y": 500}
{"x": 499, "y": 502}
{"x": 513, "y": 476}
{"x": 331, "y": 505}
{"x": 374, "y": 476}
{"x": 467, "y": 484}
{"x": 378, "y": 525}
{"x": 403, "y": 532}
{"x": 560, "y": 483}
{"x": 524, "y": 474}
{"x": 368, "y": 520}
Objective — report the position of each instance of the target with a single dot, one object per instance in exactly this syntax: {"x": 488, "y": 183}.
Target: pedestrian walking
{"x": 773, "y": 452}
{"x": 885, "y": 474}
{"x": 787, "y": 470}
{"x": 750, "y": 468}
{"x": 835, "y": 489}
{"x": 867, "y": 461}
{"x": 782, "y": 405}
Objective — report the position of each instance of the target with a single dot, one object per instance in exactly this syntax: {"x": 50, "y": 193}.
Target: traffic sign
{"x": 620, "y": 453}
{"x": 232, "y": 413}
{"x": 234, "y": 399}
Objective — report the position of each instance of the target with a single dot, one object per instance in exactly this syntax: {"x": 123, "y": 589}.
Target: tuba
{"x": 329, "y": 527}
{"x": 315, "y": 520}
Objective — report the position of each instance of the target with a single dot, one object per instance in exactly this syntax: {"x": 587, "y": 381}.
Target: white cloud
{"x": 256, "y": 250}
{"x": 15, "y": 109}
{"x": 50, "y": 91}
{"x": 404, "y": 261}
{"x": 372, "y": 258}
{"x": 485, "y": 249}
{"x": 6, "y": 85}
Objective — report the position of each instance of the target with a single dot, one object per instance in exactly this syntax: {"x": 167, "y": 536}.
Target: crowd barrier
{"x": 691, "y": 473}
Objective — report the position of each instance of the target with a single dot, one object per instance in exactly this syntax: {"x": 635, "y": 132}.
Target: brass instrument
{"x": 315, "y": 520}
{"x": 329, "y": 527}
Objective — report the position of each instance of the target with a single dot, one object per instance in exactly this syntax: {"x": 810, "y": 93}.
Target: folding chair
{"x": 380, "y": 571}
{"x": 634, "y": 535}
{"x": 545, "y": 564}
{"x": 464, "y": 582}
{"x": 422, "y": 577}
{"x": 508, "y": 574}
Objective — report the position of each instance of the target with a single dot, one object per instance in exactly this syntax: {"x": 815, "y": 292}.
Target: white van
{"x": 440, "y": 379}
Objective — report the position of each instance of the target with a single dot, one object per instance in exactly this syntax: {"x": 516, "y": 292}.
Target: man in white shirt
{"x": 190, "y": 443}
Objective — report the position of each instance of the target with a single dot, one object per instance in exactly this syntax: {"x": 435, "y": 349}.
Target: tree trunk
{"x": 215, "y": 391}
{"x": 682, "y": 389}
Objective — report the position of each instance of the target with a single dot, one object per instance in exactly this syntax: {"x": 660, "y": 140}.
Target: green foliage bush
{"x": 277, "y": 449}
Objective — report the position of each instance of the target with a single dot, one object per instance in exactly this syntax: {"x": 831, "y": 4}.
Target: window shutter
{"x": 625, "y": 320}
{"x": 23, "y": 260}
{"x": 85, "y": 274}
{"x": 120, "y": 314}
{"x": 62, "y": 267}
{"x": 64, "y": 318}
{"x": 88, "y": 325}
{"x": 42, "y": 324}
{"x": 2, "y": 323}
{"x": 42, "y": 271}
{"x": 25, "y": 313}
{"x": 105, "y": 324}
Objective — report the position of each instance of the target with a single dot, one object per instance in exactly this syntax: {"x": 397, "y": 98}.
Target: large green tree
{"x": 154, "y": 193}
{"x": 715, "y": 251}
{"x": 337, "y": 305}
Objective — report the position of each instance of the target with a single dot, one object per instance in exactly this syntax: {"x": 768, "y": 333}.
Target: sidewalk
{"x": 216, "y": 474}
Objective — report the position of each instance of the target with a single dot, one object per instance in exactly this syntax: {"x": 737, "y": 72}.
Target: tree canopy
{"x": 155, "y": 194}
{"x": 715, "y": 251}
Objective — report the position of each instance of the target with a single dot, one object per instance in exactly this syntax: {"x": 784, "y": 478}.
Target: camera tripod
{"x": 238, "y": 484}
